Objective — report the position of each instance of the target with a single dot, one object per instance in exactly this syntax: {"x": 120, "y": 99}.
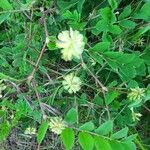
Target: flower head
{"x": 30, "y": 131}
{"x": 140, "y": 42}
{"x": 136, "y": 94}
{"x": 72, "y": 83}
{"x": 57, "y": 125}
{"x": 2, "y": 87}
{"x": 72, "y": 44}
{"x": 135, "y": 116}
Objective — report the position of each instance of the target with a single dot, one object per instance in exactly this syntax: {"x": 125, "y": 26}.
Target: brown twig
{"x": 31, "y": 76}
{"x": 37, "y": 63}
{"x": 103, "y": 88}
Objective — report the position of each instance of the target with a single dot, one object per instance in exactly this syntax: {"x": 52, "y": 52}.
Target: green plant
{"x": 74, "y": 74}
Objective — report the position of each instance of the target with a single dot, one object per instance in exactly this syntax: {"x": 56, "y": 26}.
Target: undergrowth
{"x": 74, "y": 74}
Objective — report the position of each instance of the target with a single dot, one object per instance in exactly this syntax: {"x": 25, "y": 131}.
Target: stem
{"x": 139, "y": 144}
{"x": 76, "y": 105}
{"x": 37, "y": 63}
{"x": 42, "y": 51}
{"x": 103, "y": 88}
{"x": 38, "y": 98}
{"x": 5, "y": 77}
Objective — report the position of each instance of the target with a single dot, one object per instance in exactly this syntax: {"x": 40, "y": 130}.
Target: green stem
{"x": 5, "y": 77}
{"x": 76, "y": 105}
{"x": 139, "y": 144}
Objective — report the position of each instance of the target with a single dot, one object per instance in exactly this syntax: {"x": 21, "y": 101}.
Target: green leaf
{"x": 88, "y": 126}
{"x": 97, "y": 57}
{"x": 80, "y": 5}
{"x": 105, "y": 128}
{"x": 101, "y": 143}
{"x": 64, "y": 5}
{"x": 121, "y": 58}
{"x": 135, "y": 103}
{"x": 130, "y": 138}
{"x": 4, "y": 130}
{"x": 110, "y": 96}
{"x": 107, "y": 38}
{"x": 141, "y": 70}
{"x": 113, "y": 4}
{"x": 68, "y": 138}
{"x": 4, "y": 17}
{"x": 4, "y": 4}
{"x": 42, "y": 131}
{"x": 107, "y": 15}
{"x": 75, "y": 16}
{"x": 141, "y": 32}
{"x": 145, "y": 56}
{"x": 126, "y": 12}
{"x": 52, "y": 43}
{"x": 101, "y": 26}
{"x": 127, "y": 72}
{"x": 120, "y": 134}
{"x": 115, "y": 29}
{"x": 116, "y": 145}
{"x": 144, "y": 13}
{"x": 98, "y": 100}
{"x": 128, "y": 24}
{"x": 86, "y": 141}
{"x": 71, "y": 116}
{"x": 101, "y": 47}
{"x": 129, "y": 146}
{"x": 133, "y": 84}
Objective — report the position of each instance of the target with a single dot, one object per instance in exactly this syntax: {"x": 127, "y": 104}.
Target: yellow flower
{"x": 135, "y": 116}
{"x": 136, "y": 94}
{"x": 57, "y": 125}
{"x": 140, "y": 42}
{"x": 30, "y": 131}
{"x": 2, "y": 87}
{"x": 72, "y": 83}
{"x": 72, "y": 44}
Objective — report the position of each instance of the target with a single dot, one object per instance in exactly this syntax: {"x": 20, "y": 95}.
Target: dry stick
{"x": 30, "y": 78}
{"x": 41, "y": 54}
{"x": 38, "y": 148}
{"x": 104, "y": 89}
{"x": 37, "y": 63}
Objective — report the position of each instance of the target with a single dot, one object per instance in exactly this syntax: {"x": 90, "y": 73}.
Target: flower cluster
{"x": 2, "y": 87}
{"x": 30, "y": 131}
{"x": 72, "y": 44}
{"x": 72, "y": 83}
{"x": 136, "y": 94}
{"x": 135, "y": 116}
{"x": 57, "y": 125}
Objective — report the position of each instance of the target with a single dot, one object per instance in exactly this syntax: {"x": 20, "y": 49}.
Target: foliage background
{"x": 117, "y": 54}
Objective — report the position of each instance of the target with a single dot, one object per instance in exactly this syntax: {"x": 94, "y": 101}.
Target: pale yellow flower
{"x": 72, "y": 44}
{"x": 57, "y": 125}
{"x": 30, "y": 131}
{"x": 135, "y": 116}
{"x": 140, "y": 42}
{"x": 72, "y": 83}
{"x": 2, "y": 87}
{"x": 136, "y": 93}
